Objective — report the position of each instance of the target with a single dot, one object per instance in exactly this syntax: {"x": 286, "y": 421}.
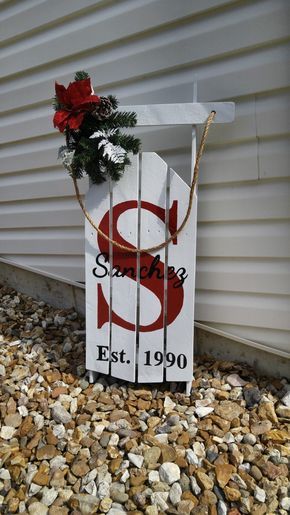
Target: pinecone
{"x": 103, "y": 110}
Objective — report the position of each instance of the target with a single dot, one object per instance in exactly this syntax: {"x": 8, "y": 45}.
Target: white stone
{"x": 169, "y": 473}
{"x": 34, "y": 489}
{"x": 115, "y": 511}
{"x": 153, "y": 476}
{"x": 114, "y": 440}
{"x": 124, "y": 476}
{"x": 91, "y": 488}
{"x": 285, "y": 503}
{"x": 286, "y": 399}
{"x": 136, "y": 459}
{"x": 159, "y": 499}
{"x": 235, "y": 380}
{"x": 191, "y": 457}
{"x": 162, "y": 438}
{"x": 4, "y": 474}
{"x": 98, "y": 388}
{"x": 103, "y": 490}
{"x": 58, "y": 462}
{"x": 59, "y": 431}
{"x": 250, "y": 439}
{"x": 60, "y": 414}
{"x": 199, "y": 449}
{"x": 48, "y": 495}
{"x": 39, "y": 421}
{"x": 37, "y": 508}
{"x": 229, "y": 438}
{"x": 259, "y": 494}
{"x": 23, "y": 411}
{"x": 222, "y": 508}
{"x": 175, "y": 493}
{"x": 203, "y": 411}
{"x": 2, "y": 370}
{"x": 194, "y": 486}
{"x": 169, "y": 405}
{"x": 7, "y": 432}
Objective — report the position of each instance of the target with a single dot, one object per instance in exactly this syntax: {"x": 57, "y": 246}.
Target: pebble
{"x": 67, "y": 446}
{"x": 169, "y": 473}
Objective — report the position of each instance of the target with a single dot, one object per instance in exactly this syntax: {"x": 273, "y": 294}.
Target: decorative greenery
{"x": 95, "y": 144}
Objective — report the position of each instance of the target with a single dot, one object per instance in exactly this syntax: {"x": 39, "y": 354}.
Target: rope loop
{"x": 187, "y": 214}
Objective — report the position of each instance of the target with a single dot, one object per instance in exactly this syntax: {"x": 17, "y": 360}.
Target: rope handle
{"x": 190, "y": 201}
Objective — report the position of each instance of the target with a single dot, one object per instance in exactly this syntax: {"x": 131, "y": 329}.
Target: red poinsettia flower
{"x": 77, "y": 99}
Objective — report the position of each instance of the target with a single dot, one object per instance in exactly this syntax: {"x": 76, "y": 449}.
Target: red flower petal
{"x": 62, "y": 94}
{"x": 60, "y": 120}
{"x": 75, "y": 120}
{"x": 79, "y": 90}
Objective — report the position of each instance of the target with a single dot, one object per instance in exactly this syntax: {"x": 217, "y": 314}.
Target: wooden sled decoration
{"x": 140, "y": 307}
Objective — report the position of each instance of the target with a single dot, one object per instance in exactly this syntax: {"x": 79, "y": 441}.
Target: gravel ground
{"x": 70, "y": 447}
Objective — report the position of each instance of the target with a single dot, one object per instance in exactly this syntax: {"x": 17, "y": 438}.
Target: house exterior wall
{"x": 151, "y": 51}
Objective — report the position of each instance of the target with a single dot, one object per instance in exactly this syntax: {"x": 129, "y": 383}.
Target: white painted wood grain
{"x": 97, "y": 205}
{"x": 124, "y": 289}
{"x": 152, "y": 232}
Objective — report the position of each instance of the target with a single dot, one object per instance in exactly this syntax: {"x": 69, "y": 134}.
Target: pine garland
{"x": 95, "y": 144}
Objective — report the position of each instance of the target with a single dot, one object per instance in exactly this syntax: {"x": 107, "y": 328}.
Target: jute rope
{"x": 190, "y": 201}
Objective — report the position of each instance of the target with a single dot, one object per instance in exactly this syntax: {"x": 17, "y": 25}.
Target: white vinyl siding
{"x": 151, "y": 51}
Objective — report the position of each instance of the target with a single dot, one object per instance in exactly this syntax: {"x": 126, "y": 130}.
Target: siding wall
{"x": 149, "y": 51}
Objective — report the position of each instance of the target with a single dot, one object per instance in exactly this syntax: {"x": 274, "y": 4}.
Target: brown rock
{"x": 267, "y": 412}
{"x": 185, "y": 507}
{"x": 59, "y": 390}
{"x": 13, "y": 505}
{"x": 144, "y": 394}
{"x": 188, "y": 496}
{"x": 153, "y": 421}
{"x": 52, "y": 375}
{"x": 168, "y": 453}
{"x": 79, "y": 468}
{"x": 277, "y": 435}
{"x": 259, "y": 509}
{"x": 208, "y": 498}
{"x": 138, "y": 476}
{"x": 261, "y": 427}
{"x": 50, "y": 437}
{"x": 270, "y": 470}
{"x": 115, "y": 464}
{"x": 35, "y": 440}
{"x": 42, "y": 475}
{"x": 232, "y": 494}
{"x": 47, "y": 452}
{"x": 11, "y": 406}
{"x": 58, "y": 478}
{"x": 143, "y": 405}
{"x": 205, "y": 482}
{"x": 27, "y": 427}
{"x": 256, "y": 473}
{"x": 283, "y": 411}
{"x": 228, "y": 410}
{"x": 183, "y": 439}
{"x": 221, "y": 423}
{"x": 224, "y": 473}
{"x": 13, "y": 420}
{"x": 151, "y": 457}
{"x": 58, "y": 510}
{"x": 117, "y": 414}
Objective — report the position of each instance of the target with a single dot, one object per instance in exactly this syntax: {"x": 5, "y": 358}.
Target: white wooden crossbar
{"x": 193, "y": 113}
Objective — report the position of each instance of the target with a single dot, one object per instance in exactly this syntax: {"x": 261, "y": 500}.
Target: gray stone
{"x": 259, "y": 494}
{"x": 136, "y": 459}
{"x": 222, "y": 508}
{"x": 60, "y": 414}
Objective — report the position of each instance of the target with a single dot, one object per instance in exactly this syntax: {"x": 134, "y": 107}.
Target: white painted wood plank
{"x": 124, "y": 289}
{"x": 97, "y": 288}
{"x": 263, "y": 276}
{"x": 152, "y": 232}
{"x": 251, "y": 310}
{"x": 182, "y": 50}
{"x": 182, "y": 114}
{"x": 181, "y": 256}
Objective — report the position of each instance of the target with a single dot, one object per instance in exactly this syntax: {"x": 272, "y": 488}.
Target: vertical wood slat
{"x": 152, "y": 232}
{"x": 97, "y": 289}
{"x": 124, "y": 289}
